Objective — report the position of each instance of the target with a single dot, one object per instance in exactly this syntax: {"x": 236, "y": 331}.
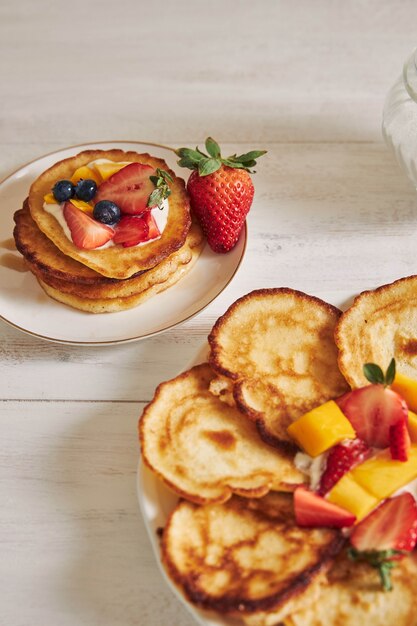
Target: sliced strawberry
{"x": 154, "y": 231}
{"x": 314, "y": 511}
{"x": 392, "y": 526}
{"x": 86, "y": 232}
{"x": 129, "y": 188}
{"x": 340, "y": 460}
{"x": 399, "y": 440}
{"x": 131, "y": 230}
{"x": 372, "y": 410}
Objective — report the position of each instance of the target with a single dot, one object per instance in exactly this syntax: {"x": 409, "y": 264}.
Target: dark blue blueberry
{"x": 106, "y": 212}
{"x": 86, "y": 189}
{"x": 63, "y": 190}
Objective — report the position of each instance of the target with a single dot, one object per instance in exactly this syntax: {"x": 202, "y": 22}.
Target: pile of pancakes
{"x": 106, "y": 279}
{"x": 216, "y": 436}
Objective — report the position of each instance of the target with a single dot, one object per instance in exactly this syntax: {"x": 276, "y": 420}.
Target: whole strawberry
{"x": 221, "y": 191}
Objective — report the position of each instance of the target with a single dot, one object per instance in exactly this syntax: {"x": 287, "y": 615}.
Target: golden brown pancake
{"x": 203, "y": 449}
{"x": 353, "y": 596}
{"x": 115, "y": 261}
{"x": 276, "y": 349}
{"x": 244, "y": 556}
{"x": 380, "y": 324}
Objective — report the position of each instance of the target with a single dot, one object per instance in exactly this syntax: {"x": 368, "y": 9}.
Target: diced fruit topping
{"x": 221, "y": 191}
{"x": 340, "y": 460}
{"x": 129, "y": 188}
{"x": 86, "y": 189}
{"x": 87, "y": 173}
{"x": 399, "y": 441}
{"x": 86, "y": 233}
{"x": 392, "y": 526}
{"x": 407, "y": 388}
{"x": 381, "y": 476}
{"x": 350, "y": 495}
{"x": 63, "y": 190}
{"x": 154, "y": 231}
{"x": 372, "y": 410}
{"x": 106, "y": 212}
{"x": 314, "y": 511}
{"x": 412, "y": 426}
{"x": 131, "y": 230}
{"x": 321, "y": 428}
{"x": 83, "y": 206}
{"x": 106, "y": 169}
{"x": 49, "y": 198}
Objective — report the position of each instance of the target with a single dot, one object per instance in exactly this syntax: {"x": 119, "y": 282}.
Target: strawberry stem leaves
{"x": 382, "y": 560}
{"x": 376, "y": 376}
{"x": 162, "y": 190}
{"x": 212, "y": 161}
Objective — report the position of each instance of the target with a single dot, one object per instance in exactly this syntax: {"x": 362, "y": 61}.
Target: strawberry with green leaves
{"x": 221, "y": 191}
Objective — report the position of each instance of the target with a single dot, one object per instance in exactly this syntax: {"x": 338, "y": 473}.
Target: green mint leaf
{"x": 166, "y": 175}
{"x": 373, "y": 373}
{"x": 212, "y": 148}
{"x": 384, "y": 571}
{"x": 390, "y": 373}
{"x": 208, "y": 166}
{"x": 155, "y": 199}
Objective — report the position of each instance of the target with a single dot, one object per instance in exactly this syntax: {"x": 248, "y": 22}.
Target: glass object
{"x": 399, "y": 125}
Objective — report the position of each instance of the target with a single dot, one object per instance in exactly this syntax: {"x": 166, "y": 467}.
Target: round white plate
{"x": 24, "y": 305}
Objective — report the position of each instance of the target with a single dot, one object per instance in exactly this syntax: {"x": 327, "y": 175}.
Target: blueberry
{"x": 86, "y": 189}
{"x": 63, "y": 190}
{"x": 106, "y": 212}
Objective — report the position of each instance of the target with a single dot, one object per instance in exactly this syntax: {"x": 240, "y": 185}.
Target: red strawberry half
{"x": 340, "y": 460}
{"x": 86, "y": 232}
{"x": 154, "y": 231}
{"x": 131, "y": 230}
{"x": 372, "y": 410}
{"x": 313, "y": 511}
{"x": 399, "y": 440}
{"x": 129, "y": 188}
{"x": 392, "y": 526}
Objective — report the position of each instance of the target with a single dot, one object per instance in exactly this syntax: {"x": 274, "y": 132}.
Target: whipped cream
{"x": 160, "y": 215}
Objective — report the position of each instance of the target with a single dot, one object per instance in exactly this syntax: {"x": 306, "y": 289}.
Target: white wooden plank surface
{"x": 333, "y": 215}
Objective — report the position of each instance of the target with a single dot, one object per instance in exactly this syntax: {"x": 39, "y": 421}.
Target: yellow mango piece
{"x": 85, "y": 207}
{"x": 348, "y": 494}
{"x": 381, "y": 475}
{"x": 321, "y": 428}
{"x": 49, "y": 199}
{"x": 86, "y": 173}
{"x": 108, "y": 169}
{"x": 412, "y": 426}
{"x": 407, "y": 389}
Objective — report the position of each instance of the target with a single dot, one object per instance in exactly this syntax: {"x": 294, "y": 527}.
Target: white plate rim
{"x": 140, "y": 337}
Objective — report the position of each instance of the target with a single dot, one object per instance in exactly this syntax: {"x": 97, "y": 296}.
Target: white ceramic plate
{"x": 24, "y": 305}
{"x": 156, "y": 502}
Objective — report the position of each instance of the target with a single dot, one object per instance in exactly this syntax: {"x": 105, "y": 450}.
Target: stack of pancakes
{"x": 112, "y": 278}
{"x": 216, "y": 436}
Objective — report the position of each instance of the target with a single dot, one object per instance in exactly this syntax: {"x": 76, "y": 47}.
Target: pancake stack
{"x": 216, "y": 436}
{"x": 112, "y": 278}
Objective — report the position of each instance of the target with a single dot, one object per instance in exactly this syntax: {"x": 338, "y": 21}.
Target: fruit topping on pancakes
{"x": 221, "y": 191}
{"x": 121, "y": 194}
{"x": 367, "y": 477}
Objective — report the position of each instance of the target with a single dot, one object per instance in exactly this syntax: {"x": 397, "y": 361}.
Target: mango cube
{"x": 321, "y": 429}
{"x": 49, "y": 198}
{"x": 412, "y": 426}
{"x": 85, "y": 207}
{"x": 348, "y": 494}
{"x": 382, "y": 476}
{"x": 407, "y": 389}
{"x": 86, "y": 173}
{"x": 108, "y": 169}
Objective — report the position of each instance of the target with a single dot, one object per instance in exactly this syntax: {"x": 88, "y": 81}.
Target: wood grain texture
{"x": 332, "y": 216}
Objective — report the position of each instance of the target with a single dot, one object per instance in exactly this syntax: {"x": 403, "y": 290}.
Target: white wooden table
{"x": 333, "y": 215}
